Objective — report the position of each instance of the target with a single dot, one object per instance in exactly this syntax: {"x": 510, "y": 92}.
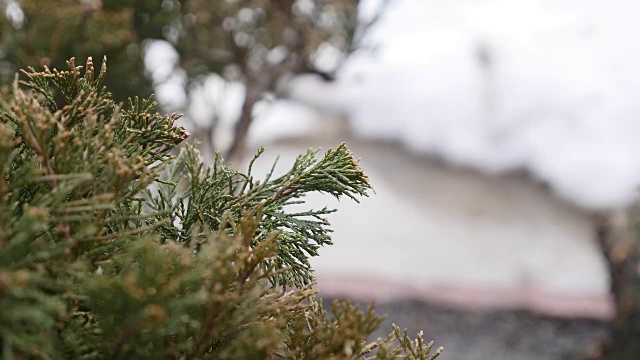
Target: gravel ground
{"x": 493, "y": 335}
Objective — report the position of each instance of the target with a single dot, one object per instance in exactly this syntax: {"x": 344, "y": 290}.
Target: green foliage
{"x": 112, "y": 247}
{"x": 248, "y": 31}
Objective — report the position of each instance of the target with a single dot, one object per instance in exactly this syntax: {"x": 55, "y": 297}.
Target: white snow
{"x": 558, "y": 92}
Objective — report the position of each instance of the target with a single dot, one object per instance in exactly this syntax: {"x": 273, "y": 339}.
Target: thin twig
{"x": 202, "y": 341}
{"x": 64, "y": 228}
{"x": 127, "y": 233}
{"x": 132, "y": 330}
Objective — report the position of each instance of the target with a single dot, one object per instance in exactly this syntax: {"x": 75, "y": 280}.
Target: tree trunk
{"x": 257, "y": 85}
{"x": 238, "y": 145}
{"x": 620, "y": 244}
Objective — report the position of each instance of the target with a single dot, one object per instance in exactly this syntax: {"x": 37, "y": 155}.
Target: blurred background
{"x": 499, "y": 135}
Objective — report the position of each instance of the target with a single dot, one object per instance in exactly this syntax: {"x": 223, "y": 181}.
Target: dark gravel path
{"x": 493, "y": 335}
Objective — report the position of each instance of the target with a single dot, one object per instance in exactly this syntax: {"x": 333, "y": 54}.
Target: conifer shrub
{"x": 117, "y": 243}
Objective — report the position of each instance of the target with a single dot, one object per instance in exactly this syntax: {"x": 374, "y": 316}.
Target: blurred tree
{"x": 258, "y": 43}
{"x": 262, "y": 43}
{"x": 619, "y": 238}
